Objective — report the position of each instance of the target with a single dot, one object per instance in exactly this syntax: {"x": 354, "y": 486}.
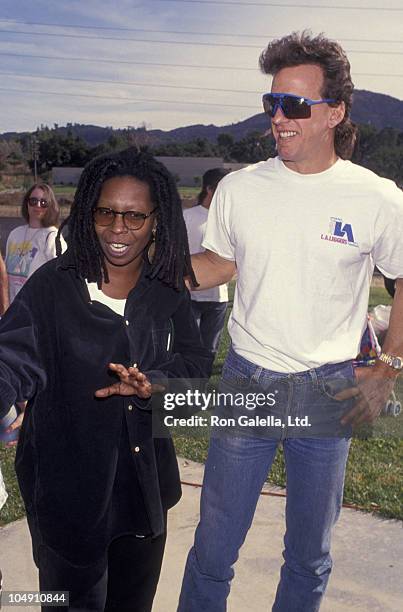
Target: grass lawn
{"x": 68, "y": 190}
{"x": 189, "y": 192}
{"x": 374, "y": 473}
{"x": 186, "y": 192}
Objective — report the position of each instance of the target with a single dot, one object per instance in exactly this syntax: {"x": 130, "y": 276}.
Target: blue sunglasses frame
{"x": 292, "y": 106}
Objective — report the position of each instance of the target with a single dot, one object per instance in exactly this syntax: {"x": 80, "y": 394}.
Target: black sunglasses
{"x": 293, "y": 107}
{"x": 132, "y": 219}
{"x": 35, "y": 201}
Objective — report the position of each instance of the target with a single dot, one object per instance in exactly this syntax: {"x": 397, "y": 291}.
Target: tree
{"x": 252, "y": 148}
{"x": 225, "y": 143}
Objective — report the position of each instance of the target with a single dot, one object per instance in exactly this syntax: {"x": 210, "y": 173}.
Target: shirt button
{"x": 136, "y": 449}
{"x": 130, "y": 407}
{"x": 127, "y": 322}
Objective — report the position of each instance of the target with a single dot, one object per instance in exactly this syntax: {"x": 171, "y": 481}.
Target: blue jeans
{"x": 236, "y": 469}
{"x": 210, "y": 317}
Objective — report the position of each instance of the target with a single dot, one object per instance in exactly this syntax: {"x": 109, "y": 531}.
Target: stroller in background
{"x": 370, "y": 349}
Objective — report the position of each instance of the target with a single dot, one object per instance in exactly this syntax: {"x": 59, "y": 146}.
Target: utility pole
{"x": 35, "y": 156}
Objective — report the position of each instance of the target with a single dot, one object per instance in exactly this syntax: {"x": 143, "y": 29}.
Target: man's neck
{"x": 314, "y": 166}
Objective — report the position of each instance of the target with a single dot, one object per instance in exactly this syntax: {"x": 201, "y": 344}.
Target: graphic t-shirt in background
{"x": 27, "y": 249}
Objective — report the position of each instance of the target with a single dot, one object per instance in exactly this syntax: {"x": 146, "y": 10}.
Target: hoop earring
{"x": 151, "y": 248}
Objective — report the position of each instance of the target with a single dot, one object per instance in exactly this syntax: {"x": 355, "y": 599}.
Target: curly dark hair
{"x": 171, "y": 261}
{"x": 52, "y": 214}
{"x": 304, "y": 48}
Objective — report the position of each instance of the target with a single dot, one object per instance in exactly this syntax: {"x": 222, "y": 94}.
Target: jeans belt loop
{"x": 256, "y": 374}
{"x": 314, "y": 377}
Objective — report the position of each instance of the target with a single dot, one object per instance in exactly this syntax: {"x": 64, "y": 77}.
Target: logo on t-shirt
{"x": 340, "y": 232}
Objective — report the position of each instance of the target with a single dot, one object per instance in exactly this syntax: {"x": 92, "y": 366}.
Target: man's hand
{"x": 375, "y": 384}
{"x": 132, "y": 382}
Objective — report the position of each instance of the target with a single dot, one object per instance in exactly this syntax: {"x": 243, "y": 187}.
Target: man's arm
{"x": 376, "y": 383}
{"x": 4, "y": 300}
{"x": 212, "y": 270}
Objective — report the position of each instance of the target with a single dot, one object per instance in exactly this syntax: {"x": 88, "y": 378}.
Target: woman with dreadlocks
{"x": 85, "y": 340}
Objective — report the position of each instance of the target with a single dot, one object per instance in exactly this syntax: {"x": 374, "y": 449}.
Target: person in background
{"x": 85, "y": 340}
{"x": 32, "y": 244}
{"x": 3, "y": 308}
{"x": 209, "y": 305}
{"x": 3, "y": 499}
{"x": 4, "y": 301}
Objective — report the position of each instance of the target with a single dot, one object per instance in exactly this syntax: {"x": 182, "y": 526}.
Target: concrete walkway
{"x": 367, "y": 554}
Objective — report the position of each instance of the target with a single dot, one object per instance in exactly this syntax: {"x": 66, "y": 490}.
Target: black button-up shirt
{"x": 55, "y": 346}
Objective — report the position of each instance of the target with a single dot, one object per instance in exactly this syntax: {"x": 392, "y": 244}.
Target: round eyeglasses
{"x": 132, "y": 219}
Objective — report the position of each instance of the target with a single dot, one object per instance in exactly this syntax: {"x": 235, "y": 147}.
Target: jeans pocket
{"x": 233, "y": 377}
{"x": 330, "y": 385}
{"x": 330, "y": 388}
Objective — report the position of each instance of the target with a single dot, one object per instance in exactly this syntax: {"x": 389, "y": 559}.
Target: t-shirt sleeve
{"x": 50, "y": 245}
{"x": 218, "y": 237}
{"x": 388, "y": 247}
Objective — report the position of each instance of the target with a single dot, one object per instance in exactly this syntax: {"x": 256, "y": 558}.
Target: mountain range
{"x": 369, "y": 108}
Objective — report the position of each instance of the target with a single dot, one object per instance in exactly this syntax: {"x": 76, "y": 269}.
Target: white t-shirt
{"x": 196, "y": 220}
{"x": 27, "y": 249}
{"x": 305, "y": 248}
{"x": 96, "y": 295}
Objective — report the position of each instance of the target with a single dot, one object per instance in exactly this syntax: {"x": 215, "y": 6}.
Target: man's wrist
{"x": 393, "y": 360}
{"x": 386, "y": 370}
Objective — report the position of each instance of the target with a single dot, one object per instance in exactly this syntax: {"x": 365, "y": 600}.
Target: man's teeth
{"x": 287, "y": 134}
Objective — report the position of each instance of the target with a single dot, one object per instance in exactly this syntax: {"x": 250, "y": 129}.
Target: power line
{"x": 186, "y": 32}
{"x": 136, "y": 40}
{"x": 172, "y": 42}
{"x": 166, "y": 65}
{"x": 143, "y": 30}
{"x": 122, "y": 98}
{"x": 129, "y": 62}
{"x": 375, "y": 74}
{"x": 277, "y": 5}
{"x": 136, "y": 84}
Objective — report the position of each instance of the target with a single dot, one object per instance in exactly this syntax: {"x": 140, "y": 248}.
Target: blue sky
{"x": 111, "y": 75}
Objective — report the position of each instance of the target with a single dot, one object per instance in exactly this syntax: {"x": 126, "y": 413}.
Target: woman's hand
{"x": 17, "y": 423}
{"x": 132, "y": 382}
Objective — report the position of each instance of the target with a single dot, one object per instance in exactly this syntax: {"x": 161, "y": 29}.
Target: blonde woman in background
{"x": 31, "y": 245}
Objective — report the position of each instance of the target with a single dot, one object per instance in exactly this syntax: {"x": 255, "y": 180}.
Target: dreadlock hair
{"x": 304, "y": 48}
{"x": 171, "y": 260}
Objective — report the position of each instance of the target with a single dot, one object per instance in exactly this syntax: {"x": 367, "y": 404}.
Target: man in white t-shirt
{"x": 303, "y": 231}
{"x": 209, "y": 306}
